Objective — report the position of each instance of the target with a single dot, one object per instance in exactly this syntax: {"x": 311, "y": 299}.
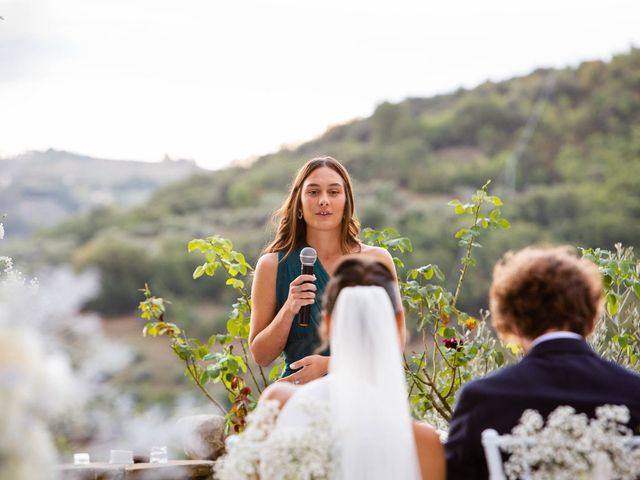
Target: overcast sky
{"x": 217, "y": 80}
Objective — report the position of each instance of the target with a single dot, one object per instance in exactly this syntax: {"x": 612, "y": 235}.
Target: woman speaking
{"x": 319, "y": 212}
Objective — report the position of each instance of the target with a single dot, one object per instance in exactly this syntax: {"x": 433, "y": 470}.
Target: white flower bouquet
{"x": 571, "y": 446}
{"x": 265, "y": 452}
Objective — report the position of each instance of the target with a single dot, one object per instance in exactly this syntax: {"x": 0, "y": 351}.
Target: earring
{"x": 299, "y": 214}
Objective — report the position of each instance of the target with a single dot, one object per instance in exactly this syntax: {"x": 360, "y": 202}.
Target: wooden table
{"x": 172, "y": 470}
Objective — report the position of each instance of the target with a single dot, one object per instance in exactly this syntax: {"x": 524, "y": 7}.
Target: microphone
{"x": 308, "y": 257}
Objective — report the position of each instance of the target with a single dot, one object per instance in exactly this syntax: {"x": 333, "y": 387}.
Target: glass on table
{"x": 158, "y": 454}
{"x": 81, "y": 459}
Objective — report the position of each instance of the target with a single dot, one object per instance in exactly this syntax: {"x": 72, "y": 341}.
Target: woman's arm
{"x": 269, "y": 331}
{"x": 430, "y": 452}
{"x": 280, "y": 391}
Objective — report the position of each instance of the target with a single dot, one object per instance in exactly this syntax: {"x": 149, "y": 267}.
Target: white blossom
{"x": 572, "y": 446}
{"x": 289, "y": 453}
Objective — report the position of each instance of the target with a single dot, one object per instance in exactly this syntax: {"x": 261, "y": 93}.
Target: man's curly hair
{"x": 540, "y": 289}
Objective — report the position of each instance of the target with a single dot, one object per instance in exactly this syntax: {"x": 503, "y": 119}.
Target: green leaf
{"x": 204, "y": 377}
{"x": 233, "y": 327}
{"x": 608, "y": 282}
{"x": 199, "y": 271}
{"x": 276, "y": 371}
{"x": 201, "y": 352}
{"x": 498, "y": 357}
{"x": 198, "y": 244}
{"x": 621, "y": 340}
{"x": 612, "y": 304}
{"x": 446, "y": 332}
{"x": 149, "y": 329}
{"x": 235, "y": 283}
{"x": 428, "y": 273}
{"x": 504, "y": 223}
{"x": 636, "y": 289}
{"x": 214, "y": 372}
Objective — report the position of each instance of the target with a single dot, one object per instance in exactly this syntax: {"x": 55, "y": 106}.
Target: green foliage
{"x": 123, "y": 266}
{"x": 216, "y": 362}
{"x": 454, "y": 342}
{"x": 456, "y": 346}
{"x": 617, "y": 335}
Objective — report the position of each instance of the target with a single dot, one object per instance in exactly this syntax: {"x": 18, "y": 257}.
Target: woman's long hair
{"x": 292, "y": 231}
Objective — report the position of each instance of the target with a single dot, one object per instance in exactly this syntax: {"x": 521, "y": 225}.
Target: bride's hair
{"x": 358, "y": 270}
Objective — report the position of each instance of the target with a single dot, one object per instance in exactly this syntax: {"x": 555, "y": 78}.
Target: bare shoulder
{"x": 425, "y": 433}
{"x": 379, "y": 254}
{"x": 264, "y": 278}
{"x": 280, "y": 391}
{"x": 268, "y": 262}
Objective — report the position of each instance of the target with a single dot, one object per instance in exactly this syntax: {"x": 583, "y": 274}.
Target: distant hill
{"x": 574, "y": 178}
{"x": 42, "y": 188}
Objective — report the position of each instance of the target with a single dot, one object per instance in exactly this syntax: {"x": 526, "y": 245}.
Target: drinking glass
{"x": 81, "y": 459}
{"x": 158, "y": 454}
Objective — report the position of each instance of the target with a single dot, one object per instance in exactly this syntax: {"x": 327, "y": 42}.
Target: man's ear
{"x": 589, "y": 330}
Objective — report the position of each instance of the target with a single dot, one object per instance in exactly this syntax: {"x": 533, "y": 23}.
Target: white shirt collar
{"x": 555, "y": 335}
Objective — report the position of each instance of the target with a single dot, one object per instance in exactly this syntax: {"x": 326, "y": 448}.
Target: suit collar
{"x": 561, "y": 345}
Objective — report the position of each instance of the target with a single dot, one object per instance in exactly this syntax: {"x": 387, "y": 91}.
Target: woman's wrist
{"x": 325, "y": 366}
{"x": 290, "y": 310}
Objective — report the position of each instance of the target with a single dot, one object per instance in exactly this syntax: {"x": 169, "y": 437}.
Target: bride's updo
{"x": 358, "y": 270}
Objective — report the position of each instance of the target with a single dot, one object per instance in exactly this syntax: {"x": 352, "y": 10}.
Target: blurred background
{"x": 129, "y": 128}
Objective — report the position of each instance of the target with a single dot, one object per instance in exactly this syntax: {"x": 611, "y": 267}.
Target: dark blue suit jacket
{"x": 554, "y": 372}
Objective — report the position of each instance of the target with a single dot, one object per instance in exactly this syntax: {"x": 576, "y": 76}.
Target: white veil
{"x": 368, "y": 392}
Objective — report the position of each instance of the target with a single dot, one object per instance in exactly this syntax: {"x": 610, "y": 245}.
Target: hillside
{"x": 43, "y": 188}
{"x": 574, "y": 178}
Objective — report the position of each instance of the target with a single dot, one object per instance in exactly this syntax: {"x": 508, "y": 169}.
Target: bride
{"x": 372, "y": 434}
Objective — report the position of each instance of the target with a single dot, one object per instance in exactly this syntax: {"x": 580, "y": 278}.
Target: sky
{"x": 220, "y": 81}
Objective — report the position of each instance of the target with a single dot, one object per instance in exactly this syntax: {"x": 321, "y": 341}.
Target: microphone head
{"x": 308, "y": 256}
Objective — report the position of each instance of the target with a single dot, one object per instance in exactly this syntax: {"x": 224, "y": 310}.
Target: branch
{"x": 246, "y": 361}
{"x": 201, "y": 387}
{"x": 465, "y": 265}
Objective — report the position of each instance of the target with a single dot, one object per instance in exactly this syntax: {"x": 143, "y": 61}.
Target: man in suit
{"x": 549, "y": 300}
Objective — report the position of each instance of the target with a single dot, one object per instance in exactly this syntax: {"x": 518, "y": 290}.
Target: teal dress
{"x": 302, "y": 341}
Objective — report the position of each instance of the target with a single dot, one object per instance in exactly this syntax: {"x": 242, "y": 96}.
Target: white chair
{"x": 493, "y": 442}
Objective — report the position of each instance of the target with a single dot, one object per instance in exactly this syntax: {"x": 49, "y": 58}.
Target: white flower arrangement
{"x": 571, "y": 446}
{"x": 265, "y": 452}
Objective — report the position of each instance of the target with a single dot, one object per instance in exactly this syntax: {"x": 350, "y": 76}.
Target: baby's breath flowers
{"x": 572, "y": 446}
{"x": 265, "y": 452}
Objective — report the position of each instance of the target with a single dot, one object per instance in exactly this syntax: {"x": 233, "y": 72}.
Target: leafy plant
{"x": 616, "y": 336}
{"x": 456, "y": 345}
{"x": 216, "y": 361}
